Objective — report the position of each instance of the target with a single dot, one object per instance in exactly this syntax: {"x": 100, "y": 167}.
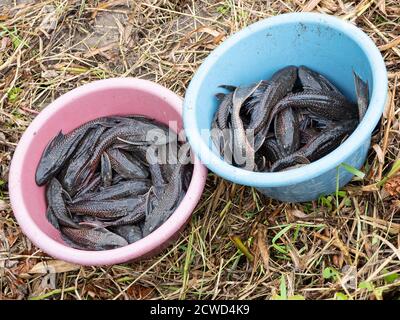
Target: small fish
{"x": 318, "y": 147}
{"x": 281, "y": 84}
{"x": 120, "y": 190}
{"x": 273, "y": 151}
{"x": 155, "y": 169}
{"x": 328, "y": 105}
{"x": 93, "y": 238}
{"x": 170, "y": 198}
{"x": 126, "y": 165}
{"x": 312, "y": 80}
{"x": 287, "y": 130}
{"x": 243, "y": 149}
{"x": 224, "y": 110}
{"x": 61, "y": 148}
{"x": 71, "y": 180}
{"x": 105, "y": 209}
{"x": 55, "y": 200}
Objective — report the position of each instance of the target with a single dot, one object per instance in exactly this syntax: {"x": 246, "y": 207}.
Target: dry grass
{"x": 340, "y": 247}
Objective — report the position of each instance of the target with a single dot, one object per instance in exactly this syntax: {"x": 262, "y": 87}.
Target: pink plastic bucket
{"x": 97, "y": 99}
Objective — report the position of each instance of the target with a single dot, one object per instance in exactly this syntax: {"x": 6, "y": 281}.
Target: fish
{"x": 155, "y": 169}
{"x": 93, "y": 238}
{"x": 126, "y": 165}
{"x": 134, "y": 132}
{"x": 107, "y": 187}
{"x": 56, "y": 203}
{"x": 312, "y": 80}
{"x": 169, "y": 199}
{"x": 71, "y": 180}
{"x": 224, "y": 111}
{"x": 120, "y": 190}
{"x": 243, "y": 150}
{"x": 273, "y": 151}
{"x": 325, "y": 104}
{"x": 59, "y": 150}
{"x": 105, "y": 209}
{"x": 318, "y": 147}
{"x": 281, "y": 84}
{"x": 287, "y": 130}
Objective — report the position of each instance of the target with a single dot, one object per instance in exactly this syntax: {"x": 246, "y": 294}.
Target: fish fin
{"x": 259, "y": 140}
{"x": 301, "y": 159}
{"x": 148, "y": 204}
{"x": 135, "y": 143}
{"x": 57, "y": 139}
{"x": 65, "y": 192}
{"x": 220, "y": 96}
{"x": 52, "y": 218}
{"x": 227, "y": 87}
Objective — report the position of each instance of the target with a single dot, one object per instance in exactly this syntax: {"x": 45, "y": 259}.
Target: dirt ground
{"x": 344, "y": 246}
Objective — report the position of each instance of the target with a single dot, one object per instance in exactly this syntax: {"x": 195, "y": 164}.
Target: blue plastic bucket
{"x": 324, "y": 43}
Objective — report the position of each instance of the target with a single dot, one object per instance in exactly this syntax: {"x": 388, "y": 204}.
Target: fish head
{"x": 287, "y": 74}
{"x": 48, "y": 167}
{"x": 44, "y": 171}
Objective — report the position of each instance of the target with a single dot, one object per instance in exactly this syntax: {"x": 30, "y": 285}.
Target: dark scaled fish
{"x": 273, "y": 151}
{"x": 312, "y": 80}
{"x": 105, "y": 209}
{"x": 243, "y": 150}
{"x": 126, "y": 165}
{"x": 71, "y": 180}
{"x": 56, "y": 204}
{"x": 325, "y": 104}
{"x": 136, "y": 132}
{"x": 281, "y": 84}
{"x": 287, "y": 130}
{"x": 61, "y": 148}
{"x": 92, "y": 238}
{"x": 168, "y": 201}
{"x": 318, "y": 147}
{"x": 120, "y": 190}
{"x": 224, "y": 111}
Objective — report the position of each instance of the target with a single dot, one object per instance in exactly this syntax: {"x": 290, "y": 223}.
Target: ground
{"x": 344, "y": 246}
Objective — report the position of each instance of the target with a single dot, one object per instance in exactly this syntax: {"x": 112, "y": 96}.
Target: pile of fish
{"x": 295, "y": 118}
{"x": 113, "y": 180}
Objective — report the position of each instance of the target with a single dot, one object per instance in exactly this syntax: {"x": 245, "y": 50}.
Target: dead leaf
{"x": 298, "y": 214}
{"x": 392, "y": 186}
{"x": 4, "y": 43}
{"x": 379, "y": 153}
{"x": 3, "y": 205}
{"x": 53, "y": 266}
{"x": 382, "y": 6}
{"x": 262, "y": 245}
{"x": 369, "y": 188}
{"x": 311, "y": 5}
{"x": 49, "y": 22}
{"x": 106, "y": 5}
{"x": 49, "y": 74}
